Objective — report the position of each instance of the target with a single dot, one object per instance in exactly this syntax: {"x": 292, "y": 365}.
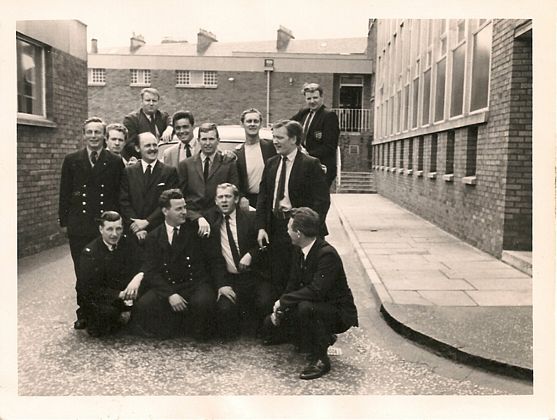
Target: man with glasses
{"x": 320, "y": 129}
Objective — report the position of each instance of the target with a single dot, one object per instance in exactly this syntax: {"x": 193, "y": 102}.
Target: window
{"x": 480, "y": 68}
{"x": 394, "y": 154}
{"x": 458, "y": 67}
{"x": 471, "y": 150}
{"x": 210, "y": 78}
{"x": 30, "y": 78}
{"x": 196, "y": 78}
{"x": 410, "y": 153}
{"x": 182, "y": 77}
{"x": 97, "y": 77}
{"x": 426, "y": 103}
{"x": 421, "y": 153}
{"x": 433, "y": 154}
{"x": 140, "y": 77}
{"x": 449, "y": 158}
{"x": 401, "y": 155}
{"x": 415, "y": 90}
{"x": 440, "y": 91}
{"x": 388, "y": 154}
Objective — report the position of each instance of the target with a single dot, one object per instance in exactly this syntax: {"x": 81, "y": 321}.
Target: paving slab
{"x": 448, "y": 297}
{"x": 502, "y": 297}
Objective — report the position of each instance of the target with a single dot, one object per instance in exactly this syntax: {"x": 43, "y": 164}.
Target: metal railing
{"x": 354, "y": 119}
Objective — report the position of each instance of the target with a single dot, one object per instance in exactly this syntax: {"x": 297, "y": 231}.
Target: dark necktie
{"x": 232, "y": 243}
{"x": 147, "y": 175}
{"x": 282, "y": 181}
{"x": 152, "y": 124}
{"x": 94, "y": 155}
{"x": 188, "y": 150}
{"x": 206, "y": 169}
{"x": 175, "y": 235}
{"x": 306, "y": 126}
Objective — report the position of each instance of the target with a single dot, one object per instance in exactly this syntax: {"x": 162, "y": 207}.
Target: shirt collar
{"x": 89, "y": 151}
{"x": 170, "y": 229}
{"x": 307, "y": 248}
{"x": 144, "y": 165}
{"x": 108, "y": 246}
{"x": 231, "y": 215}
{"x": 211, "y": 157}
{"x": 292, "y": 155}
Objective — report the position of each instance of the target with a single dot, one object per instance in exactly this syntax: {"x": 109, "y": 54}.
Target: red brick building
{"x": 52, "y": 105}
{"x": 218, "y": 80}
{"x": 454, "y": 126}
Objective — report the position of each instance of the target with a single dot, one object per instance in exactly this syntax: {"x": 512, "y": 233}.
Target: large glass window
{"x": 415, "y": 91}
{"x": 480, "y": 68}
{"x": 426, "y": 102}
{"x": 30, "y": 78}
{"x": 457, "y": 85}
{"x": 440, "y": 90}
{"x": 140, "y": 77}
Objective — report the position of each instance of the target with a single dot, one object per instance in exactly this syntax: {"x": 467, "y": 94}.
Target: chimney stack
{"x": 136, "y": 42}
{"x": 284, "y": 35}
{"x": 94, "y": 48}
{"x": 204, "y": 40}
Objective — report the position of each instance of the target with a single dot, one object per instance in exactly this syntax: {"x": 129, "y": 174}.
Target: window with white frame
{"x": 441, "y": 69}
{"x": 196, "y": 78}
{"x": 140, "y": 77}
{"x": 31, "y": 89}
{"x": 481, "y": 56}
{"x": 210, "y": 78}
{"x": 97, "y": 77}
{"x": 182, "y": 77}
{"x": 458, "y": 51}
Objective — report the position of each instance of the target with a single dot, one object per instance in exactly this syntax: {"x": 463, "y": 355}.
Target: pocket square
{"x": 160, "y": 184}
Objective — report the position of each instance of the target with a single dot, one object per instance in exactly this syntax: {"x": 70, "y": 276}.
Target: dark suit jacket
{"x": 137, "y": 122}
{"x": 322, "y": 280}
{"x": 180, "y": 268}
{"x": 306, "y": 188}
{"x": 322, "y": 136}
{"x": 267, "y": 151}
{"x": 86, "y": 192}
{"x": 104, "y": 274}
{"x": 200, "y": 196}
{"x": 140, "y": 201}
{"x": 247, "y": 238}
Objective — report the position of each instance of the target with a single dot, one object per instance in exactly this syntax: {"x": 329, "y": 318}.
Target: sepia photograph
{"x": 278, "y": 209}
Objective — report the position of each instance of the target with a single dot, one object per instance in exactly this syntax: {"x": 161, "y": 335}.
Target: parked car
{"x": 231, "y": 136}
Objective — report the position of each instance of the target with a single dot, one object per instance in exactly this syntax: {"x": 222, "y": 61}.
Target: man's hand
{"x": 131, "y": 160}
{"x": 130, "y": 292}
{"x": 244, "y": 204}
{"x": 177, "y": 303}
{"x": 227, "y": 292}
{"x": 304, "y": 150}
{"x": 167, "y": 134}
{"x": 229, "y": 156}
{"x": 276, "y": 306}
{"x": 141, "y": 235}
{"x": 139, "y": 224}
{"x": 204, "y": 227}
{"x": 262, "y": 238}
{"x": 245, "y": 262}
{"x": 324, "y": 168}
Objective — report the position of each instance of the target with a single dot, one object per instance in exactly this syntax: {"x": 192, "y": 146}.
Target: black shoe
{"x": 80, "y": 324}
{"x": 316, "y": 368}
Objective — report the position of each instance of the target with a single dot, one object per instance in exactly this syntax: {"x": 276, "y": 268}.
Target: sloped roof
{"x": 223, "y": 49}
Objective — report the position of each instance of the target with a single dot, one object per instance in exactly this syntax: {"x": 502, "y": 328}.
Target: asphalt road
{"x": 54, "y": 359}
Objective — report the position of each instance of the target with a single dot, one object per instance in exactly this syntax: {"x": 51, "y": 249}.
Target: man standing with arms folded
{"x": 89, "y": 185}
{"x": 320, "y": 129}
{"x": 183, "y": 123}
{"x": 246, "y": 288}
{"x": 290, "y": 179}
{"x": 148, "y": 119}
{"x": 252, "y": 156}
{"x": 141, "y": 187}
{"x": 180, "y": 270}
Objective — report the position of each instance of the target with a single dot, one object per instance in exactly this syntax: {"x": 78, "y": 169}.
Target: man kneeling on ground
{"x": 317, "y": 302}
{"x": 109, "y": 276}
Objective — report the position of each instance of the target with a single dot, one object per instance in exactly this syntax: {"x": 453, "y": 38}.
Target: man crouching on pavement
{"x": 109, "y": 276}
{"x": 317, "y": 302}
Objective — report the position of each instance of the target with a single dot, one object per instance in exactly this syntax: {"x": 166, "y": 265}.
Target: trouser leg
{"x": 202, "y": 307}
{"x": 77, "y": 244}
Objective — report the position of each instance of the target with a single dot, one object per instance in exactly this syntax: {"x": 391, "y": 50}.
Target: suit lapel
{"x": 217, "y": 161}
{"x": 296, "y": 173}
{"x": 242, "y": 164}
{"x": 155, "y": 175}
{"x": 102, "y": 160}
{"x": 316, "y": 118}
{"x": 241, "y": 230}
{"x": 198, "y": 165}
{"x": 85, "y": 163}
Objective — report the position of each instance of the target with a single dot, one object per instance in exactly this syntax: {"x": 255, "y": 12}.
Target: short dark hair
{"x": 206, "y": 127}
{"x": 93, "y": 120}
{"x": 167, "y": 195}
{"x": 117, "y": 127}
{"x": 178, "y": 115}
{"x": 150, "y": 90}
{"x": 234, "y": 188}
{"x": 249, "y": 111}
{"x": 306, "y": 221}
{"x": 108, "y": 216}
{"x": 312, "y": 87}
{"x": 293, "y": 128}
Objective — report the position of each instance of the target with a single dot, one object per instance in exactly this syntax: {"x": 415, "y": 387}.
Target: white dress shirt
{"x": 145, "y": 164}
{"x": 170, "y": 231}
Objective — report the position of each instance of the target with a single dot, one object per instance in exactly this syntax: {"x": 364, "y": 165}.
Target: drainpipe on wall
{"x": 268, "y": 95}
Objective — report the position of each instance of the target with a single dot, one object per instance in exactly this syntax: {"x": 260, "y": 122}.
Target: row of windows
{"x": 430, "y": 71}
{"x": 138, "y": 77}
{"x": 399, "y": 154}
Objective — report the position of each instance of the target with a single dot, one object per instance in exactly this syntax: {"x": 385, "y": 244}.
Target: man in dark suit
{"x": 200, "y": 175}
{"x": 116, "y": 137}
{"x": 180, "y": 269}
{"x": 183, "y": 123}
{"x": 246, "y": 289}
{"x": 317, "y": 302}
{"x": 252, "y": 156}
{"x": 109, "y": 276}
{"x": 148, "y": 119}
{"x": 320, "y": 129}
{"x": 290, "y": 179}
{"x": 141, "y": 187}
{"x": 89, "y": 185}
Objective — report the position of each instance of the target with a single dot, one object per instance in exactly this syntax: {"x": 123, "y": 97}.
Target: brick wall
{"x": 40, "y": 151}
{"x": 496, "y": 213}
{"x": 222, "y": 105}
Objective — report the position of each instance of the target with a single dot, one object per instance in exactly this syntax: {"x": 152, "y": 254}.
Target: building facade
{"x": 52, "y": 105}
{"x": 453, "y": 119}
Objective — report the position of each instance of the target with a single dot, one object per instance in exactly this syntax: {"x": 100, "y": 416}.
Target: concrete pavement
{"x": 438, "y": 290}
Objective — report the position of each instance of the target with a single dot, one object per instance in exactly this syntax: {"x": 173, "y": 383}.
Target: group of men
{"x": 171, "y": 245}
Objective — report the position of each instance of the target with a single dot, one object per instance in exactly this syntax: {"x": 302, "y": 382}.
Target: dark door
{"x": 350, "y": 102}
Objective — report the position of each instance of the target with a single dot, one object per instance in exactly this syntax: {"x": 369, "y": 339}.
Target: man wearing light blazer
{"x": 141, "y": 187}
